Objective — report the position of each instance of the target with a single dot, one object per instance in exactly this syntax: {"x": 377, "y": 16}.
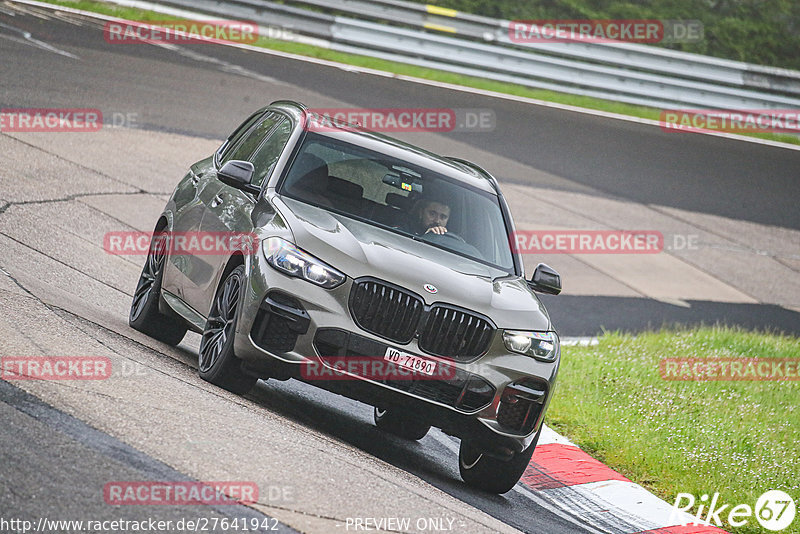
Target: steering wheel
{"x": 453, "y": 242}
{"x": 451, "y": 235}
{"x": 430, "y": 236}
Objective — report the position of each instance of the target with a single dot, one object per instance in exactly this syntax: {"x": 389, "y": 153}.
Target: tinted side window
{"x": 269, "y": 152}
{"x": 252, "y": 139}
{"x": 238, "y": 133}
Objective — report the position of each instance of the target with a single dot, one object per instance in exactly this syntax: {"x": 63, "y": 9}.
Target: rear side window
{"x": 254, "y": 136}
{"x": 237, "y": 135}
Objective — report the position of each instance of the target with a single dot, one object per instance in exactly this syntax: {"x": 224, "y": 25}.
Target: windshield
{"x": 387, "y": 192}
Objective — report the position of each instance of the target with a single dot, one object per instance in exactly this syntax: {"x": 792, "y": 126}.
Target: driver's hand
{"x": 437, "y": 230}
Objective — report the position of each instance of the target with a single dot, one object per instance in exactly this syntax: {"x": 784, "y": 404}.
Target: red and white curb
{"x": 587, "y": 493}
{"x": 594, "y": 495}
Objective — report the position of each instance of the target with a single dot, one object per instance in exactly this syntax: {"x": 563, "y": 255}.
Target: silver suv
{"x": 373, "y": 269}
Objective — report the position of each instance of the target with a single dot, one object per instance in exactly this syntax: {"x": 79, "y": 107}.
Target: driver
{"x": 428, "y": 216}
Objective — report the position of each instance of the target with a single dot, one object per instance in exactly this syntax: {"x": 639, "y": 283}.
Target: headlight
{"x": 288, "y": 259}
{"x": 540, "y": 345}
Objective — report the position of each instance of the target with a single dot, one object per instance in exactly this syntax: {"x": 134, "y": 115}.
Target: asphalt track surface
{"x": 204, "y": 91}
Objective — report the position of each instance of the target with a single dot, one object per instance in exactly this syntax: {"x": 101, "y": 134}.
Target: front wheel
{"x": 491, "y": 474}
{"x": 216, "y": 361}
{"x": 400, "y": 424}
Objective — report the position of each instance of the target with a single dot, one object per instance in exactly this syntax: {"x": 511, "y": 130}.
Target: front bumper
{"x": 290, "y": 328}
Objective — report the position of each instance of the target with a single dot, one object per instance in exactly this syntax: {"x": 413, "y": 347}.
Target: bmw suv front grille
{"x": 396, "y": 314}
{"x": 455, "y": 333}
{"x": 385, "y": 310}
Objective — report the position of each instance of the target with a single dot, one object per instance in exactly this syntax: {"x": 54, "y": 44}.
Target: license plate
{"x": 409, "y": 361}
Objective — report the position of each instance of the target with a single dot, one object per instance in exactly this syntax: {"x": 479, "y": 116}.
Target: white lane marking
{"x": 565, "y": 514}
{"x": 441, "y": 85}
{"x": 224, "y": 66}
{"x": 591, "y": 509}
{"x": 627, "y": 506}
{"x": 27, "y": 39}
{"x": 673, "y": 301}
{"x": 634, "y": 498}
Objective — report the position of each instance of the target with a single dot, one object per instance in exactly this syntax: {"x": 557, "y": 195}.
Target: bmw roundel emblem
{"x": 430, "y": 288}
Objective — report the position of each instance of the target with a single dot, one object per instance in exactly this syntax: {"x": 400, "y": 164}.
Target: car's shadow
{"x": 433, "y": 459}
{"x": 351, "y": 422}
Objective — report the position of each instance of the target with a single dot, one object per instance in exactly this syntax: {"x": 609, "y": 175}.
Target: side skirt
{"x": 194, "y": 320}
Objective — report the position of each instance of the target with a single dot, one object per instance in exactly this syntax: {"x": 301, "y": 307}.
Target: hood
{"x": 360, "y": 249}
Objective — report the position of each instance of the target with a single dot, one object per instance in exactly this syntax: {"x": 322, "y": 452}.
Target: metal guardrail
{"x": 444, "y": 39}
{"x": 621, "y": 54}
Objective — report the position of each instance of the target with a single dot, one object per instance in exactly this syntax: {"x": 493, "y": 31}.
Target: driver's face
{"x": 434, "y": 214}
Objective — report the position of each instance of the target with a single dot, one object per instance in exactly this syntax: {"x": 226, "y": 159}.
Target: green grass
{"x": 414, "y": 71}
{"x": 738, "y": 438}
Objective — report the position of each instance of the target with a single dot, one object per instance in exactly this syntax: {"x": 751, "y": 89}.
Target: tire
{"x": 216, "y": 361}
{"x": 491, "y": 474}
{"x": 144, "y": 315}
{"x": 400, "y": 425}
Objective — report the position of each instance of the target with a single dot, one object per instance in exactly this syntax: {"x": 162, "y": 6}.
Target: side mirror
{"x": 545, "y": 279}
{"x": 238, "y": 174}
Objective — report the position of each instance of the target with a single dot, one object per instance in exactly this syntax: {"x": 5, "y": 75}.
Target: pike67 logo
{"x": 774, "y": 510}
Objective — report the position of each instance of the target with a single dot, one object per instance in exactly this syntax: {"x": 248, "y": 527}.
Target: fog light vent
{"x": 520, "y": 407}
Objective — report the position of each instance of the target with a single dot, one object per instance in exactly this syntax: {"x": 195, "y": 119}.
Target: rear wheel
{"x": 492, "y": 474}
{"x": 216, "y": 361}
{"x": 144, "y": 315}
{"x": 400, "y": 424}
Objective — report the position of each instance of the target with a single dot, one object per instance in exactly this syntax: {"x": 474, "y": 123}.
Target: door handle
{"x": 216, "y": 201}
